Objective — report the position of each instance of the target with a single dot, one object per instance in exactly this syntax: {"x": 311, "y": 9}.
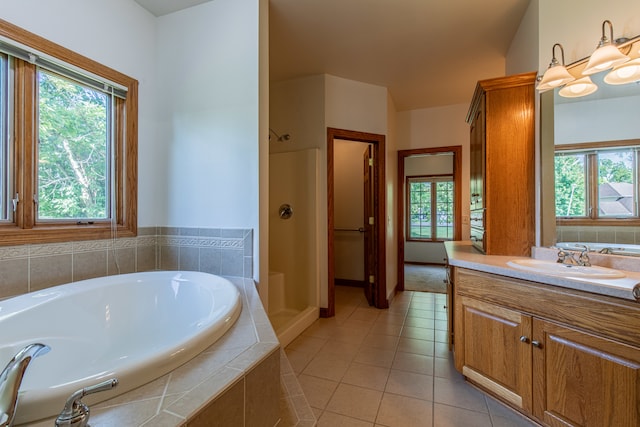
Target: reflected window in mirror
{"x": 596, "y": 183}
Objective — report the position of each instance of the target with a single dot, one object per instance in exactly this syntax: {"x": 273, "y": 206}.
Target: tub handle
{"x": 76, "y": 413}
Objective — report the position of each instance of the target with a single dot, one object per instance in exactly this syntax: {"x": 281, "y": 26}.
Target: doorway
{"x": 404, "y": 176}
{"x": 372, "y": 226}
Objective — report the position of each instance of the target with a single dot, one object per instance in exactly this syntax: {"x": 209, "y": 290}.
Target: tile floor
{"x": 370, "y": 367}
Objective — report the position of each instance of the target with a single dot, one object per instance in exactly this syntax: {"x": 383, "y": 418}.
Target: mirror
{"x": 590, "y": 164}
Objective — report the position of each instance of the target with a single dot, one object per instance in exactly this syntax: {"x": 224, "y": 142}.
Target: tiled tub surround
{"x": 235, "y": 382}
{"x": 599, "y": 234}
{"x": 225, "y": 252}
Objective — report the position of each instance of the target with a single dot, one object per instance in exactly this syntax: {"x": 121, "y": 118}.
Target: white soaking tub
{"x": 134, "y": 327}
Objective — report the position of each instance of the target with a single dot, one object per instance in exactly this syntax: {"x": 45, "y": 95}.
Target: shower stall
{"x": 293, "y": 242}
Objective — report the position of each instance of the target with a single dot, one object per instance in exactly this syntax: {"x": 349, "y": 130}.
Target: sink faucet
{"x": 11, "y": 378}
{"x": 567, "y": 257}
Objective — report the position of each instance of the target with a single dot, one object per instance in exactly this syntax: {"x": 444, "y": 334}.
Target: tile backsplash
{"x": 599, "y": 234}
{"x": 27, "y": 268}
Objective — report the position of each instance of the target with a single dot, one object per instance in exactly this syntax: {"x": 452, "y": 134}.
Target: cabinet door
{"x": 494, "y": 350}
{"x": 477, "y": 157}
{"x": 584, "y": 380}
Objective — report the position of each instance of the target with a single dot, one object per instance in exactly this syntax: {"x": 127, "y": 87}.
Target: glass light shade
{"x": 578, "y": 88}
{"x": 627, "y": 72}
{"x": 604, "y": 58}
{"x": 554, "y": 77}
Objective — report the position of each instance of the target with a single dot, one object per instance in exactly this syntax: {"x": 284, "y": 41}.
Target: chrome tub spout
{"x": 11, "y": 378}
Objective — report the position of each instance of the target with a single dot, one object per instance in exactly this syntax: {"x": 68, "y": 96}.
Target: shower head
{"x": 283, "y": 137}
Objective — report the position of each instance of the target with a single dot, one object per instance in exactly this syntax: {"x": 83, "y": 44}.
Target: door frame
{"x": 457, "y": 208}
{"x": 378, "y": 142}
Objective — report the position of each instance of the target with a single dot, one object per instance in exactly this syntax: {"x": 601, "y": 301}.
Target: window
{"x": 68, "y": 158}
{"x": 430, "y": 203}
{"x": 597, "y": 184}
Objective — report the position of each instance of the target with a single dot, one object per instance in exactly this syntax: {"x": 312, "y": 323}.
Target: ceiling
{"x": 426, "y": 52}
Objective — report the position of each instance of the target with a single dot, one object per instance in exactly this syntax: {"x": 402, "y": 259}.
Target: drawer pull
{"x": 537, "y": 344}
{"x": 524, "y": 339}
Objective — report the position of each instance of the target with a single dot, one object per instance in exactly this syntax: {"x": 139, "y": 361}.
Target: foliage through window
{"x": 69, "y": 144}
{"x": 430, "y": 203}
{"x": 597, "y": 183}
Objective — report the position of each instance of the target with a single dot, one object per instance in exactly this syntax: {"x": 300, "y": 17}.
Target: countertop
{"x": 463, "y": 254}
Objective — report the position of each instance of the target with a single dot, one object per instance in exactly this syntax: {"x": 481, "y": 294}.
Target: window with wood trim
{"x": 68, "y": 155}
{"x": 430, "y": 203}
{"x": 597, "y": 183}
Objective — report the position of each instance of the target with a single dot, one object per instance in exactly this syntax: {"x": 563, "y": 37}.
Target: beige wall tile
{"x": 263, "y": 392}
{"x": 14, "y": 277}
{"x": 50, "y": 271}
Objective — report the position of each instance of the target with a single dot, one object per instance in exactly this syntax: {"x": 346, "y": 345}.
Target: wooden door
{"x": 493, "y": 350}
{"x": 370, "y": 254}
{"x": 584, "y": 380}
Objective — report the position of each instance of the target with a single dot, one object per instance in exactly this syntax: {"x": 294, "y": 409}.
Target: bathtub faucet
{"x": 11, "y": 378}
{"x": 76, "y": 413}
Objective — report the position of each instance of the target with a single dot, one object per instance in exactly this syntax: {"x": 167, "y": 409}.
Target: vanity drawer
{"x": 477, "y": 238}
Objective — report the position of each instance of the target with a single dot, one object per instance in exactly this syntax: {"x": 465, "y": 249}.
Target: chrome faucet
{"x": 11, "y": 378}
{"x": 567, "y": 257}
{"x": 76, "y": 413}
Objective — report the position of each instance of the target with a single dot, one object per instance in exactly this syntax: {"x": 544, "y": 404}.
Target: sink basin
{"x": 565, "y": 270}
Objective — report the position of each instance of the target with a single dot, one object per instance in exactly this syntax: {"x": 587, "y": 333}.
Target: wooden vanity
{"x": 561, "y": 356}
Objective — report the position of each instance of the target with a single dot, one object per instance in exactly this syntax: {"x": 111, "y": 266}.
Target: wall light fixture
{"x": 557, "y": 74}
{"x": 610, "y": 53}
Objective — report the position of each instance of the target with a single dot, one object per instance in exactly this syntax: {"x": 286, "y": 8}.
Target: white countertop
{"x": 463, "y": 254}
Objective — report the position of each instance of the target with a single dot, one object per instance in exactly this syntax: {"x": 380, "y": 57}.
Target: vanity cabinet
{"x": 561, "y": 357}
{"x": 502, "y": 162}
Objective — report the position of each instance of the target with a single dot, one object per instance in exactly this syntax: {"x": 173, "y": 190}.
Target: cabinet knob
{"x": 536, "y": 344}
{"x": 524, "y": 339}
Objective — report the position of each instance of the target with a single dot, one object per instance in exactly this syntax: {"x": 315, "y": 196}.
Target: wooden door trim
{"x": 378, "y": 142}
{"x": 400, "y": 200}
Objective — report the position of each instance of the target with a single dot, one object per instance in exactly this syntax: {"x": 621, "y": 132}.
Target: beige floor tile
{"x": 327, "y": 366}
{"x": 449, "y": 416}
{"x": 416, "y": 346}
{"x": 307, "y": 343}
{"x": 390, "y": 318}
{"x": 357, "y": 402}
{"x": 413, "y": 363}
{"x": 329, "y": 419}
{"x": 298, "y": 359}
{"x": 445, "y": 368}
{"x": 340, "y": 350}
{"x": 367, "y": 376}
{"x": 317, "y": 390}
{"x": 402, "y": 411}
{"x": 384, "y": 342}
{"x": 421, "y": 311}
{"x": 442, "y": 350}
{"x": 410, "y": 384}
{"x": 459, "y": 394}
{"x": 418, "y": 333}
{"x": 503, "y": 416}
{"x": 375, "y": 356}
{"x": 386, "y": 327}
{"x": 419, "y": 322}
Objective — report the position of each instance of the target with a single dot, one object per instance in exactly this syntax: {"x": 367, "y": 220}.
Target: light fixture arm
{"x": 604, "y": 40}
{"x": 554, "y": 61}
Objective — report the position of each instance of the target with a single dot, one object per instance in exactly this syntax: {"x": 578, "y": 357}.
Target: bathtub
{"x": 134, "y": 327}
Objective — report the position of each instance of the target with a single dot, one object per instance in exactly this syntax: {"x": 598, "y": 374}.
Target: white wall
{"x": 208, "y": 68}
{"x": 522, "y": 56}
{"x": 439, "y": 127}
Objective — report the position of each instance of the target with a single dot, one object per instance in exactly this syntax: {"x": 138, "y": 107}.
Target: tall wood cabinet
{"x": 564, "y": 358}
{"x": 502, "y": 165}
